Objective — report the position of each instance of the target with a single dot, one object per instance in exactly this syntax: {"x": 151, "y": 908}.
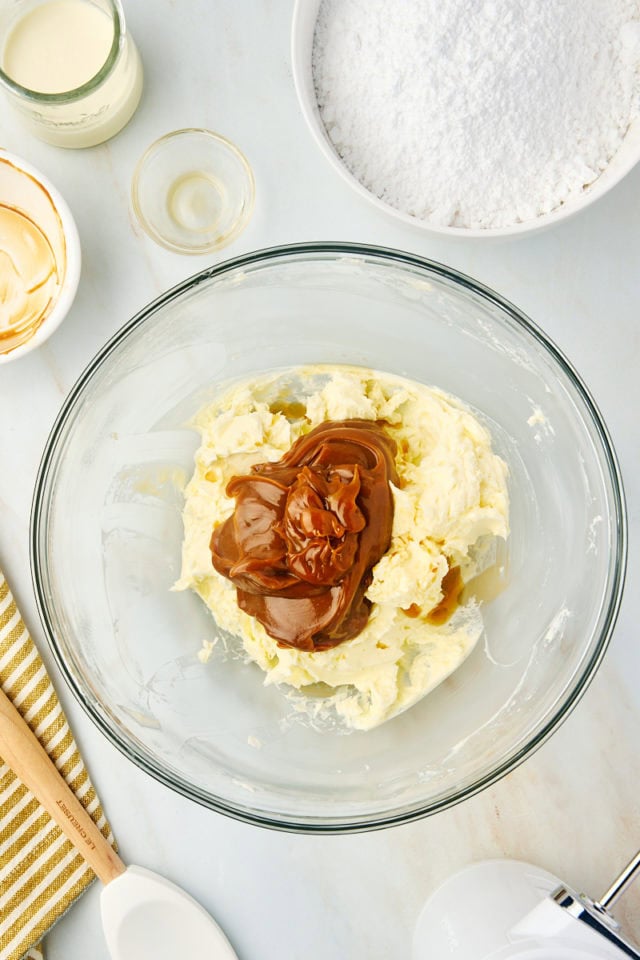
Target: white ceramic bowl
{"x": 25, "y": 187}
{"x": 304, "y": 18}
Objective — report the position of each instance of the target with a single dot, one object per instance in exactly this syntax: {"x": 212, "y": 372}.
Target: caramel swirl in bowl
{"x": 307, "y": 531}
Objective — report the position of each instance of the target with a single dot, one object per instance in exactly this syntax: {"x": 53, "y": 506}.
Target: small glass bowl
{"x": 193, "y": 191}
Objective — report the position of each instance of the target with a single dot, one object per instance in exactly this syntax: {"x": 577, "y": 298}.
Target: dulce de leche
{"x": 307, "y": 531}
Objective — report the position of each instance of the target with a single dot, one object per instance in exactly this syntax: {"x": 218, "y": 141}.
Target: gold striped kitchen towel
{"x": 41, "y": 874}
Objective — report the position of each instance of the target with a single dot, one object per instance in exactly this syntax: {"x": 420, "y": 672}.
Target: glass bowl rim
{"x": 360, "y": 822}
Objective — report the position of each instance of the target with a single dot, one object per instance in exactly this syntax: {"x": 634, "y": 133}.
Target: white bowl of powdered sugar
{"x": 474, "y": 118}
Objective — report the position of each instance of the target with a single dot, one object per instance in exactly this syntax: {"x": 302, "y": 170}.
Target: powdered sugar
{"x": 479, "y": 113}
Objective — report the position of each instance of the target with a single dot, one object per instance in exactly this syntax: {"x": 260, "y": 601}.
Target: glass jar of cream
{"x": 70, "y": 68}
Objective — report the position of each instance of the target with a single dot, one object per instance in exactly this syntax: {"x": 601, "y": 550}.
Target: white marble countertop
{"x": 574, "y": 807}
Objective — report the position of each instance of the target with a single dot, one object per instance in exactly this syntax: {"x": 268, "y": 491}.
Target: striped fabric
{"x": 40, "y": 873}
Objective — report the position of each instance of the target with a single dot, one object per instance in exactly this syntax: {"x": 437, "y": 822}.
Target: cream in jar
{"x": 72, "y": 70}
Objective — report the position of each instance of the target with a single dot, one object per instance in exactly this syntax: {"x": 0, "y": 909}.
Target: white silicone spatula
{"x": 143, "y": 915}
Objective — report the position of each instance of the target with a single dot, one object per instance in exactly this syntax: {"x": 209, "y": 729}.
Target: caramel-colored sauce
{"x": 307, "y": 531}
{"x": 29, "y": 278}
{"x": 291, "y": 409}
{"x": 413, "y": 611}
{"x": 452, "y": 587}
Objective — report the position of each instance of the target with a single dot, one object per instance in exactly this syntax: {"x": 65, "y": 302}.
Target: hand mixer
{"x": 508, "y": 910}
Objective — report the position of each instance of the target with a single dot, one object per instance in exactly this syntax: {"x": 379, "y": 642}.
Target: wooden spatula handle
{"x": 21, "y": 751}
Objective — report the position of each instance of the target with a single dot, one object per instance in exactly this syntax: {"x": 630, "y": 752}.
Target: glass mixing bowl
{"x": 107, "y": 531}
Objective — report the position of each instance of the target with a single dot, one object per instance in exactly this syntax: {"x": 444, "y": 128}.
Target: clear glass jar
{"x": 98, "y": 108}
